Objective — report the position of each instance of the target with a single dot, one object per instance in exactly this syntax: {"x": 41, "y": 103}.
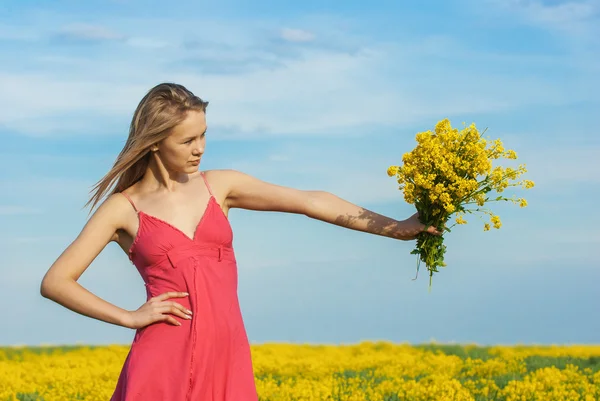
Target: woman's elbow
{"x": 48, "y": 286}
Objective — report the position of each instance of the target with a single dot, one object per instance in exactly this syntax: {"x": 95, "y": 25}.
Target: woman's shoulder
{"x": 115, "y": 211}
{"x": 219, "y": 176}
{"x": 222, "y": 174}
{"x": 217, "y": 180}
{"x": 119, "y": 203}
{"x": 223, "y": 182}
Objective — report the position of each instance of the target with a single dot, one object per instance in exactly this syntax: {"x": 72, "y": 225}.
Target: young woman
{"x": 171, "y": 220}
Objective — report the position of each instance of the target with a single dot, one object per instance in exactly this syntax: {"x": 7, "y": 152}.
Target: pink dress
{"x": 208, "y": 357}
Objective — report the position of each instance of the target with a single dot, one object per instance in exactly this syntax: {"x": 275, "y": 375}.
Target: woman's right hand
{"x": 158, "y": 309}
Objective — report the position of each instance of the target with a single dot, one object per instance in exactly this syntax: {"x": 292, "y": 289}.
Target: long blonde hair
{"x": 161, "y": 109}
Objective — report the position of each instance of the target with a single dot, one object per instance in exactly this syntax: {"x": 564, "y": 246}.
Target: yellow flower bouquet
{"x": 450, "y": 172}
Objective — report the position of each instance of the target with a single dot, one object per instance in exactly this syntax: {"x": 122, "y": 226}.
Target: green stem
{"x": 418, "y": 263}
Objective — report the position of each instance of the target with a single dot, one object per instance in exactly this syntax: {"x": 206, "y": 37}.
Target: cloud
{"x": 297, "y": 35}
{"x": 60, "y": 105}
{"x": 89, "y": 32}
{"x": 258, "y": 87}
{"x": 578, "y": 18}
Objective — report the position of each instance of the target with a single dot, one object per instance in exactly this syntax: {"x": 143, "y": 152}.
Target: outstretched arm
{"x": 247, "y": 192}
{"x": 332, "y": 209}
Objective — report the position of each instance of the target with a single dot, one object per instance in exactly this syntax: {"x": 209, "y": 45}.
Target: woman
{"x": 171, "y": 220}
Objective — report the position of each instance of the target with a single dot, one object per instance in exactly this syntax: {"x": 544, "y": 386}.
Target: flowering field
{"x": 366, "y": 371}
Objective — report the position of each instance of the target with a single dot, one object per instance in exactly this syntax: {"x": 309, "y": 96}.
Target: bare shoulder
{"x": 220, "y": 177}
{"x": 114, "y": 211}
{"x": 242, "y": 190}
{"x": 217, "y": 179}
{"x": 226, "y": 178}
{"x": 223, "y": 181}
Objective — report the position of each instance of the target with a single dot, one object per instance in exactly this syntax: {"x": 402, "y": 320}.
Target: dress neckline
{"x": 141, "y": 213}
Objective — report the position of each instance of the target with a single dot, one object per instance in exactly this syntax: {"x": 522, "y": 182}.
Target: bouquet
{"x": 451, "y": 172}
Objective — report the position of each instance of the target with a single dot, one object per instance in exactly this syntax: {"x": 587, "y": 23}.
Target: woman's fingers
{"x": 433, "y": 230}
{"x": 163, "y": 309}
{"x": 178, "y": 306}
{"x": 172, "y": 309}
{"x": 168, "y": 319}
{"x": 170, "y": 294}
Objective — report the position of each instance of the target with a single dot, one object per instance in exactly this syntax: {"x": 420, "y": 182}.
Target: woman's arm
{"x": 247, "y": 192}
{"x": 332, "y": 209}
{"x": 60, "y": 281}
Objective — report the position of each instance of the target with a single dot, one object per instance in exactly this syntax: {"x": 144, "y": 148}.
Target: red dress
{"x": 208, "y": 357}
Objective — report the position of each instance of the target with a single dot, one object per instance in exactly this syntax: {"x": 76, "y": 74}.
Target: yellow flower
{"x": 445, "y": 198}
{"x": 496, "y": 221}
{"x": 442, "y": 126}
{"x": 528, "y": 184}
{"x": 486, "y": 227}
{"x": 451, "y": 170}
{"x": 480, "y": 199}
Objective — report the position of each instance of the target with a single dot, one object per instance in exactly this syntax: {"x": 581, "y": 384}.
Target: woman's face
{"x": 183, "y": 149}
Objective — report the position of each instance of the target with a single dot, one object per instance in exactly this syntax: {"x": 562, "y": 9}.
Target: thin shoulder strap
{"x": 206, "y": 182}
{"x": 130, "y": 201}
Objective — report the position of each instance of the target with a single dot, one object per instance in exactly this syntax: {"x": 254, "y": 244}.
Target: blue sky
{"x": 325, "y": 96}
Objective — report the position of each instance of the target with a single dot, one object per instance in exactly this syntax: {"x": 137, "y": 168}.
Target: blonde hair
{"x": 162, "y": 108}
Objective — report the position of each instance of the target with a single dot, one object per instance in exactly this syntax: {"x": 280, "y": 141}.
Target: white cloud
{"x": 576, "y": 17}
{"x": 57, "y": 102}
{"x": 297, "y": 35}
{"x": 89, "y": 32}
{"x": 314, "y": 90}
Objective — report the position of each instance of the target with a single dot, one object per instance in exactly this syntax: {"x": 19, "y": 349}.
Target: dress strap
{"x": 206, "y": 182}
{"x": 130, "y": 201}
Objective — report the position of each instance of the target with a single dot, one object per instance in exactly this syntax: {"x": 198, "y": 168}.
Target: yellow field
{"x": 367, "y": 371}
